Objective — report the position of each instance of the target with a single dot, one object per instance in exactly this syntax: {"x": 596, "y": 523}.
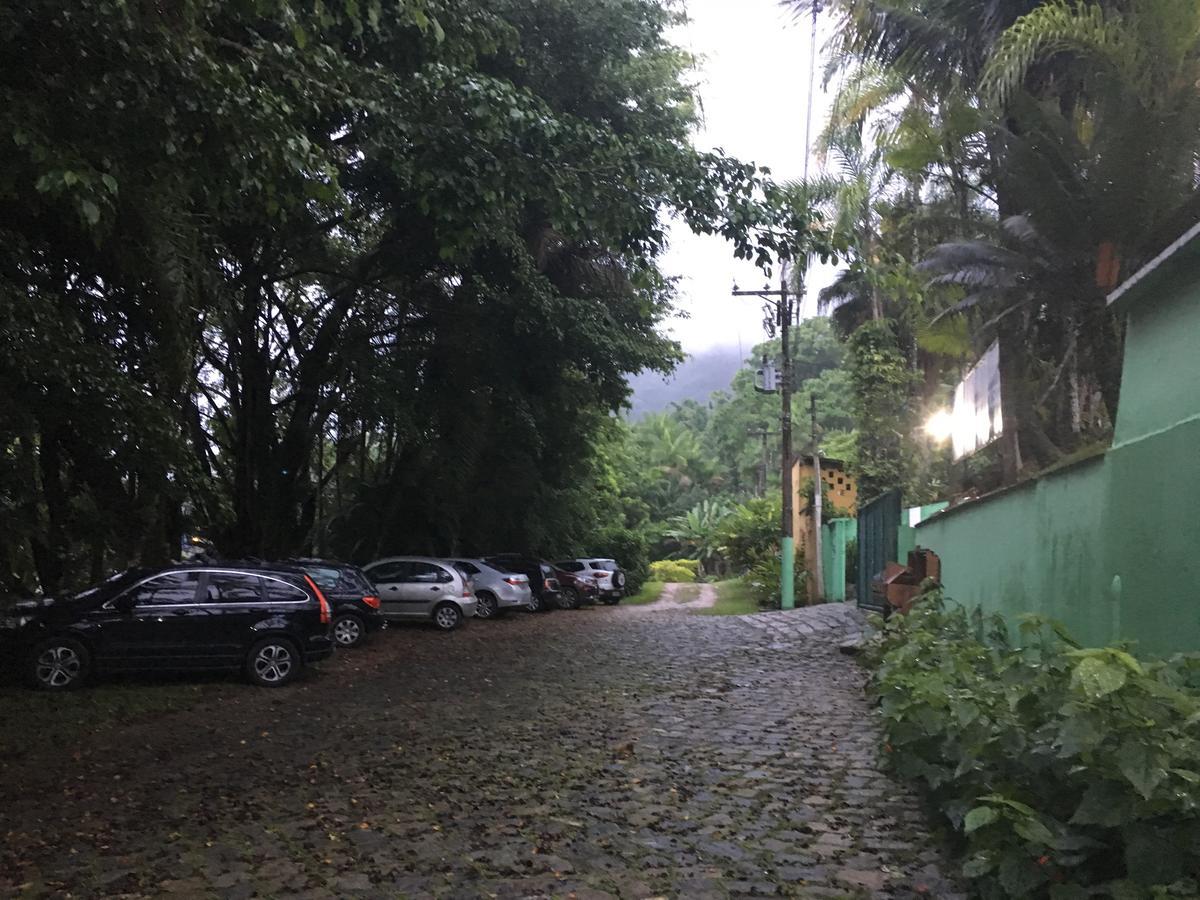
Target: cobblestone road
{"x": 591, "y": 754}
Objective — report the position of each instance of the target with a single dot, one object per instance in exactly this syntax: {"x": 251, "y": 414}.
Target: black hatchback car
{"x": 268, "y": 621}
{"x": 356, "y": 605}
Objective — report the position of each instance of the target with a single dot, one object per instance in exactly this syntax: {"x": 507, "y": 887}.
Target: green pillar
{"x": 787, "y": 554}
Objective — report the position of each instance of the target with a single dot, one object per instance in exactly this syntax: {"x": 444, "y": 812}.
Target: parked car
{"x": 352, "y": 597}
{"x": 545, "y": 590}
{"x": 496, "y": 589}
{"x": 609, "y": 576}
{"x": 270, "y": 621}
{"x": 420, "y": 587}
{"x": 578, "y": 588}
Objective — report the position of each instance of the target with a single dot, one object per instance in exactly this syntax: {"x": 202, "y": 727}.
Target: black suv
{"x": 546, "y": 591}
{"x": 267, "y": 620}
{"x": 352, "y": 596}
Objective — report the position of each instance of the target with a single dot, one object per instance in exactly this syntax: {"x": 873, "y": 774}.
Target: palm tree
{"x": 1082, "y": 123}
{"x": 697, "y": 532}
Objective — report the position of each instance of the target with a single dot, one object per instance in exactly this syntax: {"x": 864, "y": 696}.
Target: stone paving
{"x": 589, "y": 754}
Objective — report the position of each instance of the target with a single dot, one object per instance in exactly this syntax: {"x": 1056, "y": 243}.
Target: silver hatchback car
{"x": 418, "y": 587}
{"x": 496, "y": 589}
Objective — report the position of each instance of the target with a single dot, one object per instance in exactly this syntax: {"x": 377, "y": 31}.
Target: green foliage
{"x": 735, "y": 597}
{"x": 882, "y": 381}
{"x": 353, "y": 278}
{"x": 698, "y": 532}
{"x": 647, "y": 593}
{"x": 750, "y": 533}
{"x": 1066, "y": 771}
{"x": 1049, "y": 152}
{"x": 766, "y": 580}
{"x": 680, "y": 570}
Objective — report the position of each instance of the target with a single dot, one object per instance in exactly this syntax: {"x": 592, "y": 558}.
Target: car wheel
{"x": 59, "y": 664}
{"x": 273, "y": 662}
{"x": 535, "y": 603}
{"x": 488, "y": 605}
{"x": 447, "y": 617}
{"x": 349, "y": 630}
{"x": 570, "y": 599}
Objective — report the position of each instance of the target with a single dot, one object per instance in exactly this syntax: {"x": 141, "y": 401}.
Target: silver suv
{"x": 418, "y": 587}
{"x": 607, "y": 573}
{"x": 495, "y": 589}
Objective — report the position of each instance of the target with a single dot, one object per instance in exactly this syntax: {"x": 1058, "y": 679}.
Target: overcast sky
{"x": 753, "y": 81}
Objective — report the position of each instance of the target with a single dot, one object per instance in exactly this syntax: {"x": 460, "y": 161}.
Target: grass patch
{"x": 648, "y": 593}
{"x": 734, "y": 598}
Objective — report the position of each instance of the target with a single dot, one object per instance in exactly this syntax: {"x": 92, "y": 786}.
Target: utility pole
{"x": 781, "y": 301}
{"x": 818, "y": 593}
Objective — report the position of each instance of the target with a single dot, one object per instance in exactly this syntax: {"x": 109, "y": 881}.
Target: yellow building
{"x": 838, "y": 497}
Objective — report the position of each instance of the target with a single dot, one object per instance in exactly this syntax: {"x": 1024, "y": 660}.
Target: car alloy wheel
{"x": 274, "y": 663}
{"x": 535, "y": 603}
{"x": 487, "y": 605}
{"x": 571, "y": 598}
{"x": 59, "y": 666}
{"x": 348, "y": 631}
{"x": 447, "y": 617}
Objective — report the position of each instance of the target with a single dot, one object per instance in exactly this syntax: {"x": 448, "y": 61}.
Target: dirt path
{"x": 667, "y": 600}
{"x": 589, "y": 754}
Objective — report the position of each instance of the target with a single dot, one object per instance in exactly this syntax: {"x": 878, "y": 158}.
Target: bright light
{"x": 940, "y": 426}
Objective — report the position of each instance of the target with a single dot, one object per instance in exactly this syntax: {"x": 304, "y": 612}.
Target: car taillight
{"x": 515, "y": 582}
{"x": 546, "y": 585}
{"x": 600, "y": 575}
{"x": 326, "y": 615}
{"x": 372, "y": 602}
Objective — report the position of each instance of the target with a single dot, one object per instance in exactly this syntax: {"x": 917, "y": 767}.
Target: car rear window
{"x": 354, "y": 579}
{"x": 604, "y": 564}
{"x": 326, "y": 577}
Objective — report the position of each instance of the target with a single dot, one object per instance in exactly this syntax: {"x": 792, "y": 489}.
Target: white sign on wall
{"x": 977, "y": 416}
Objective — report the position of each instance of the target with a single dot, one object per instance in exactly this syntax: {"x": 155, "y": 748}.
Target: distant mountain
{"x": 697, "y": 377}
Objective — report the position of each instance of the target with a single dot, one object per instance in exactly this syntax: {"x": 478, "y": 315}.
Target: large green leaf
{"x": 979, "y": 817}
{"x": 1097, "y": 678}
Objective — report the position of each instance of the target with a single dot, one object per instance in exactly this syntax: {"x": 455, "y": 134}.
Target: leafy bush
{"x": 684, "y": 570}
{"x": 765, "y": 580}
{"x": 1068, "y": 772}
{"x": 750, "y": 533}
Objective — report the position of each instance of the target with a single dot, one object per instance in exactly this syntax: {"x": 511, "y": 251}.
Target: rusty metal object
{"x": 899, "y": 585}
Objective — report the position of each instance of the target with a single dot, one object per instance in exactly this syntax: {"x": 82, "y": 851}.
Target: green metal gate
{"x": 878, "y": 529}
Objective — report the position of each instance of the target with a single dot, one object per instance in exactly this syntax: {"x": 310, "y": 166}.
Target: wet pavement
{"x": 598, "y": 753}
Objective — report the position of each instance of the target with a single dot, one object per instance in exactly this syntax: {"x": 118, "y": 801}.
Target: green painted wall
{"x": 836, "y": 535}
{"x": 1110, "y": 546}
{"x": 1032, "y": 548}
{"x": 1160, "y": 375}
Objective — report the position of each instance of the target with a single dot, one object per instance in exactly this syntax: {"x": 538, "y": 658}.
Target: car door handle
{"x": 435, "y": 588}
